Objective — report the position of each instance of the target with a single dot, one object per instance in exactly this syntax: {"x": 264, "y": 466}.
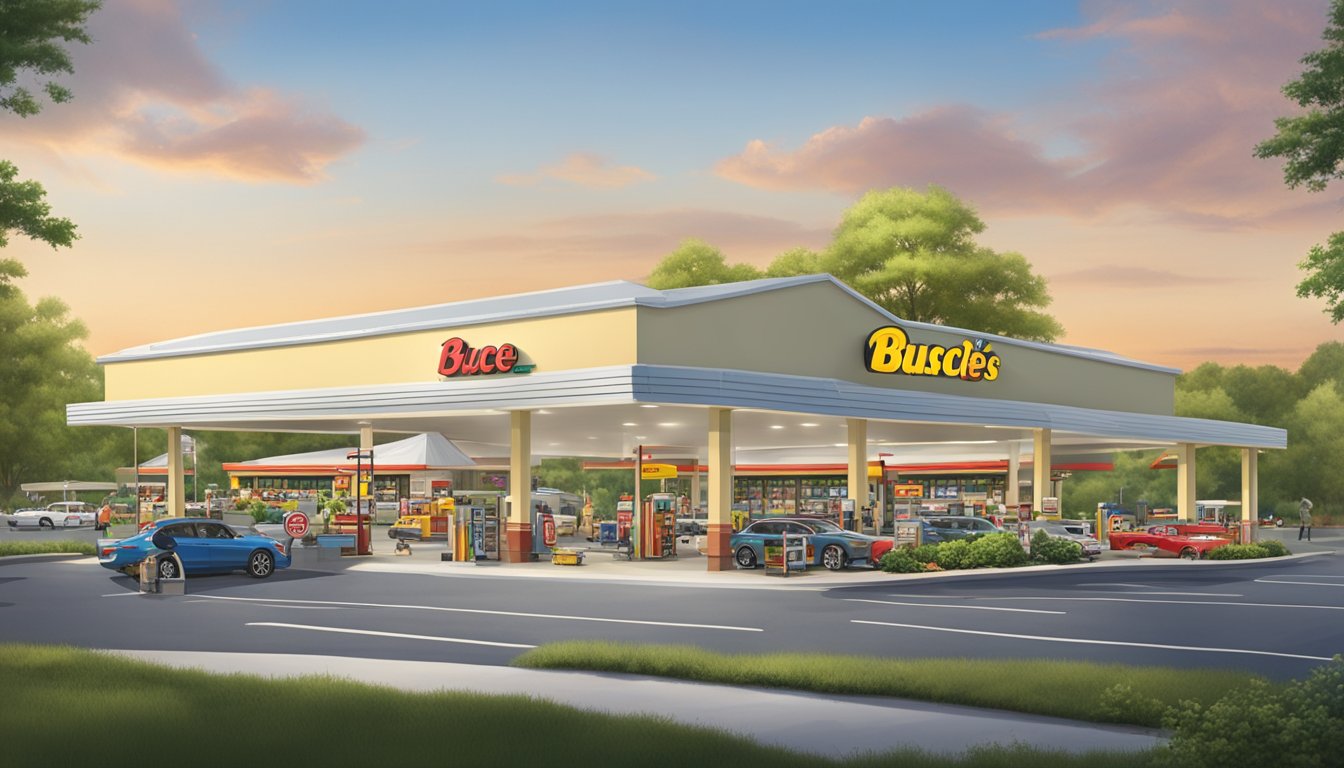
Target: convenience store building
{"x": 774, "y": 371}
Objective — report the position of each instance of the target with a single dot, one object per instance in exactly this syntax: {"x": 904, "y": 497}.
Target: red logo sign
{"x": 296, "y": 525}
{"x": 459, "y": 359}
{"x": 548, "y": 530}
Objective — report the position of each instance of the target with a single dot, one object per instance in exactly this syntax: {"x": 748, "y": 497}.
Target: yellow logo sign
{"x": 889, "y": 350}
{"x": 657, "y": 471}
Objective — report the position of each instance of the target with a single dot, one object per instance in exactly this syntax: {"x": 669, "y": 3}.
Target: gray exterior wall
{"x": 820, "y": 330}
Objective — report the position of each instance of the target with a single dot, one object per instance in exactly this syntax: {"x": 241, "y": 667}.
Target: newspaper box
{"x": 786, "y": 553}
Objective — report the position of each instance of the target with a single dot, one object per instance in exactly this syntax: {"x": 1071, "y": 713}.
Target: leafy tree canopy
{"x": 24, "y": 209}
{"x": 912, "y": 253}
{"x": 1312, "y": 146}
{"x": 31, "y": 37}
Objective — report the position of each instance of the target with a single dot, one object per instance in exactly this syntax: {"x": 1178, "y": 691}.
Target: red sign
{"x": 548, "y": 530}
{"x": 296, "y": 525}
{"x": 459, "y": 359}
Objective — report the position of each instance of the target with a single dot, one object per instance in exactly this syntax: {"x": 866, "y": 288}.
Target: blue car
{"x": 828, "y": 544}
{"x": 203, "y": 545}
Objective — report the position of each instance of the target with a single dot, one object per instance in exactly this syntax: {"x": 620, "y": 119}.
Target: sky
{"x": 252, "y": 162}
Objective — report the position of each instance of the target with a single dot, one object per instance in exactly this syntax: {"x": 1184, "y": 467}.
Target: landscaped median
{"x": 61, "y": 696}
{"x": 19, "y": 548}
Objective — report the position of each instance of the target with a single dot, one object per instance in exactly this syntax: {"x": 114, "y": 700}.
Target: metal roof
{"x": 560, "y": 301}
{"x": 431, "y": 450}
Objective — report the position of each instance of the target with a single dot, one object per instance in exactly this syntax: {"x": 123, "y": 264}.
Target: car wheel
{"x": 260, "y": 564}
{"x": 45, "y": 523}
{"x": 746, "y": 557}
{"x": 1278, "y": 523}
{"x": 834, "y": 558}
{"x": 1189, "y": 553}
{"x": 168, "y": 568}
{"x": 391, "y": 533}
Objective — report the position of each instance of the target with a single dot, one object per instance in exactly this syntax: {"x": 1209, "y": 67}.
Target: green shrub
{"x": 335, "y": 507}
{"x": 1122, "y": 704}
{"x": 258, "y": 510}
{"x": 1301, "y": 724}
{"x": 997, "y": 550}
{"x": 953, "y": 555}
{"x": 12, "y": 548}
{"x": 1238, "y": 552}
{"x": 900, "y": 560}
{"x": 1274, "y": 547}
{"x": 1053, "y": 551}
{"x": 925, "y": 553}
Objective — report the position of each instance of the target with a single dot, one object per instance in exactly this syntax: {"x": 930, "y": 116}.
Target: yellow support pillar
{"x": 720, "y": 479}
{"x": 518, "y": 529}
{"x": 857, "y": 480}
{"x": 1185, "y": 481}
{"x": 1250, "y": 493}
{"x": 1040, "y": 467}
{"x": 176, "y": 493}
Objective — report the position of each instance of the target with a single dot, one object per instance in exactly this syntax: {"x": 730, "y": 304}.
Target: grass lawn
{"x": 1072, "y": 689}
{"x": 12, "y": 548}
{"x": 68, "y": 706}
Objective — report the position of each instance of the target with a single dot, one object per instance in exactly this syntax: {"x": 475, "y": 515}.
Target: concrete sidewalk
{"x": 806, "y": 722}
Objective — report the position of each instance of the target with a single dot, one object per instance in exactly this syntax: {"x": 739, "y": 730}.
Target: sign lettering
{"x": 889, "y": 350}
{"x": 460, "y": 359}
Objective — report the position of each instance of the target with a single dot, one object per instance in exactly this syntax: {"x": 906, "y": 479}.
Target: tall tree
{"x": 1312, "y": 146}
{"x": 912, "y": 253}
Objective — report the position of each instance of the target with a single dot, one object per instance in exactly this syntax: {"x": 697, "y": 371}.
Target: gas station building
{"x": 776, "y": 371}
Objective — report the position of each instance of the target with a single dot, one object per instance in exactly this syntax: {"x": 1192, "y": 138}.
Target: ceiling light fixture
{"x": 629, "y": 424}
{"x": 808, "y": 424}
{"x": 776, "y": 426}
{"x": 648, "y": 406}
{"x": 669, "y": 424}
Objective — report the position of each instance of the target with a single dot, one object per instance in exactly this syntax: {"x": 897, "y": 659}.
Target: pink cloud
{"x": 1169, "y": 127}
{"x": 145, "y": 92}
{"x": 584, "y": 169}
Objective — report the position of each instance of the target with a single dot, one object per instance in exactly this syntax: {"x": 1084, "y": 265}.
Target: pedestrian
{"x": 104, "y": 517}
{"x": 1304, "y": 512}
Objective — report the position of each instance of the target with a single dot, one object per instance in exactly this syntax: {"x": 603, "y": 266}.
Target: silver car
{"x": 1059, "y": 530}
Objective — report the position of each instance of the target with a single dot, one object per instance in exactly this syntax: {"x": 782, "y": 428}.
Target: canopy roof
{"x": 419, "y": 452}
{"x": 72, "y": 486}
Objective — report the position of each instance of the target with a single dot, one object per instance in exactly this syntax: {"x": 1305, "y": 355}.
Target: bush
{"x": 925, "y": 553}
{"x": 1052, "y": 551}
{"x": 1258, "y": 725}
{"x": 1122, "y": 704}
{"x": 900, "y": 560}
{"x": 1274, "y": 547}
{"x": 997, "y": 550}
{"x": 1238, "y": 552}
{"x": 258, "y": 510}
{"x": 953, "y": 555}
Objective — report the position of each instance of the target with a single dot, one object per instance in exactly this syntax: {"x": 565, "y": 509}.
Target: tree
{"x": 1312, "y": 146}
{"x": 29, "y": 30}
{"x": 23, "y": 209}
{"x": 44, "y": 369}
{"x": 696, "y": 262}
{"x": 913, "y": 254}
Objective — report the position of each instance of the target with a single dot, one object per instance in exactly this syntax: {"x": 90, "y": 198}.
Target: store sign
{"x": 657, "y": 471}
{"x": 889, "y": 350}
{"x": 907, "y": 490}
{"x": 459, "y": 359}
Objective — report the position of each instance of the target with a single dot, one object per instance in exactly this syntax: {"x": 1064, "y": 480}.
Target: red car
{"x": 1188, "y": 540}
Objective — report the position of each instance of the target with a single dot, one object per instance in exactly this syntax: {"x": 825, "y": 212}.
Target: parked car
{"x": 828, "y": 544}
{"x": 1177, "y": 539}
{"x": 951, "y": 527}
{"x": 1091, "y": 548}
{"x": 60, "y": 514}
{"x": 203, "y": 545}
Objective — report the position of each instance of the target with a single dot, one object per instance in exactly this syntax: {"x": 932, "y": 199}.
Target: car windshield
{"x": 822, "y": 526}
{"x": 1054, "y": 530}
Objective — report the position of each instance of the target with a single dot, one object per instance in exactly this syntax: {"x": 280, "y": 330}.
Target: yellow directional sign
{"x": 657, "y": 471}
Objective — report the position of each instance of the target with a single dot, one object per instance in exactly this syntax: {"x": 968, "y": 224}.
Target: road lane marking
{"x": 1137, "y": 600}
{"x": 967, "y": 607}
{"x": 397, "y": 635}
{"x": 479, "y": 611}
{"x": 1092, "y": 642}
{"x": 1174, "y": 594}
{"x": 1114, "y": 584}
{"x": 1300, "y": 583}
{"x": 121, "y": 594}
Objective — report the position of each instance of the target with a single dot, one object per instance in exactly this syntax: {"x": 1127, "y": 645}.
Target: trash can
{"x": 152, "y": 582}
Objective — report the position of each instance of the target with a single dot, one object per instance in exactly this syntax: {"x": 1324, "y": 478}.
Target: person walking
{"x": 1304, "y": 513}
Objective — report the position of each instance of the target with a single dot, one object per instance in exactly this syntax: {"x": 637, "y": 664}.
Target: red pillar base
{"x": 517, "y": 543}
{"x": 719, "y": 556}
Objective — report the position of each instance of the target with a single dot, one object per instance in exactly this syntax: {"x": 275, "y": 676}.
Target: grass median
{"x": 1104, "y": 693}
{"x": 65, "y": 700}
{"x": 15, "y": 548}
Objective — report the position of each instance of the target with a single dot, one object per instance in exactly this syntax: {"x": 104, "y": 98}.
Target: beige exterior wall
{"x": 820, "y": 330}
{"x": 606, "y": 337}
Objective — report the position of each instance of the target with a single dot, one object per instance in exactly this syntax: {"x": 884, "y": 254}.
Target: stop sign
{"x": 296, "y": 525}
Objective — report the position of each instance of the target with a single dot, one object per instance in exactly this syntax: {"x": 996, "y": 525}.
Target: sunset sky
{"x": 260, "y": 161}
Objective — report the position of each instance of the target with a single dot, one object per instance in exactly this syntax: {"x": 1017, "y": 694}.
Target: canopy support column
{"x": 1011, "y": 488}
{"x": 1250, "y": 493}
{"x": 1040, "y": 467}
{"x": 720, "y": 479}
{"x": 1185, "y": 481}
{"x": 857, "y": 481}
{"x": 176, "y": 493}
{"x": 518, "y": 528}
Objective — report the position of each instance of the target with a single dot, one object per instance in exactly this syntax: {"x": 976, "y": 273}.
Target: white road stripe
{"x": 1299, "y": 583}
{"x": 1137, "y": 600}
{"x": 968, "y": 607}
{"x": 1114, "y": 584}
{"x": 398, "y": 635}
{"x": 1174, "y": 594}
{"x": 120, "y": 594}
{"x": 1093, "y": 642}
{"x": 480, "y": 611}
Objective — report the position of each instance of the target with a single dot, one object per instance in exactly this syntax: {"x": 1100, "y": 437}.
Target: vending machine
{"x": 658, "y": 527}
